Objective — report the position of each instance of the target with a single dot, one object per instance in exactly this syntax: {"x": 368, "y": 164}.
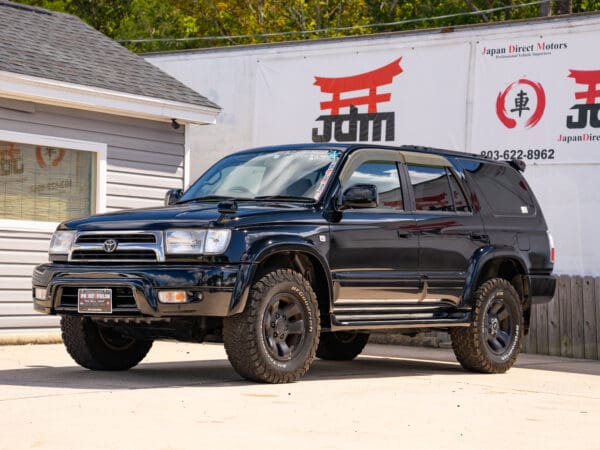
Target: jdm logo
{"x": 347, "y": 93}
{"x": 588, "y": 112}
{"x": 522, "y": 101}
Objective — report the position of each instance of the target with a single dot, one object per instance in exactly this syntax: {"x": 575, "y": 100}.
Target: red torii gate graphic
{"x": 588, "y": 112}
{"x": 368, "y": 80}
{"x": 592, "y": 79}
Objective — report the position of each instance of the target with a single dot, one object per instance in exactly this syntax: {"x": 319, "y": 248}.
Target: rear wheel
{"x": 492, "y": 342}
{"x": 275, "y": 338}
{"x": 100, "y": 348}
{"x": 341, "y": 345}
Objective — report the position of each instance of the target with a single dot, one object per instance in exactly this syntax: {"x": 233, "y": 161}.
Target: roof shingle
{"x": 57, "y": 46}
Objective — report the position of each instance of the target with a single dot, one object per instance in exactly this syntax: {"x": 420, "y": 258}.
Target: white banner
{"x": 389, "y": 95}
{"x": 537, "y": 99}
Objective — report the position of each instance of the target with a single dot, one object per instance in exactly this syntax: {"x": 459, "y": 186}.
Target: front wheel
{"x": 492, "y": 342}
{"x": 275, "y": 338}
{"x": 101, "y": 348}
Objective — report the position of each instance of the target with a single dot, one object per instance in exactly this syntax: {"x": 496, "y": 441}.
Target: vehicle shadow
{"x": 209, "y": 373}
{"x": 524, "y": 361}
{"x": 377, "y": 362}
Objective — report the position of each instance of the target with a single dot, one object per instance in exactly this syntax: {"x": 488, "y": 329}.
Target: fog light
{"x": 172, "y": 296}
{"x": 40, "y": 293}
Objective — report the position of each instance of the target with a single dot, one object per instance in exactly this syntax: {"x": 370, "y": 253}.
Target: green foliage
{"x": 586, "y": 5}
{"x": 181, "y": 24}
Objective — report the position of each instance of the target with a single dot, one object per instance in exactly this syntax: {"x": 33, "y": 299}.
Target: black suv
{"x": 291, "y": 252}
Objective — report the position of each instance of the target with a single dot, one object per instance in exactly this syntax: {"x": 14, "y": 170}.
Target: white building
{"x": 85, "y": 127}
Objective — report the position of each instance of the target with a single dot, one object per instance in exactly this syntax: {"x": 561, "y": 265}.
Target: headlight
{"x": 61, "y": 242}
{"x": 197, "y": 242}
{"x": 186, "y": 241}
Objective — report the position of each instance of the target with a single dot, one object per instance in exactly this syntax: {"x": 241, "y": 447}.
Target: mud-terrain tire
{"x": 341, "y": 345}
{"x": 492, "y": 342}
{"x": 99, "y": 348}
{"x": 275, "y": 338}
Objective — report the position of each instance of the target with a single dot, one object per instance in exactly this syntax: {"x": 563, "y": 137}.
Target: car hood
{"x": 190, "y": 215}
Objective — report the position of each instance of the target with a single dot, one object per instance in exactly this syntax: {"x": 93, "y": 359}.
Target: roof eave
{"x": 42, "y": 90}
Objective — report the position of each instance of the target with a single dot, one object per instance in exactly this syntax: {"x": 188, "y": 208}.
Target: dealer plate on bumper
{"x": 94, "y": 301}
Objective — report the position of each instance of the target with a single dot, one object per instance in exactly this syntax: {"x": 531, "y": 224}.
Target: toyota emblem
{"x": 110, "y": 245}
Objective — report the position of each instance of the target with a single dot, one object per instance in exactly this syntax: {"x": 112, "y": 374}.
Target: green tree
{"x": 181, "y": 24}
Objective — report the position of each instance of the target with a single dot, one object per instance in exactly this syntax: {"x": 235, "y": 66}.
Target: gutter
{"x": 41, "y": 90}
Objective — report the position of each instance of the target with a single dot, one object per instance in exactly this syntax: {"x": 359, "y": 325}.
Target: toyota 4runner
{"x": 291, "y": 252}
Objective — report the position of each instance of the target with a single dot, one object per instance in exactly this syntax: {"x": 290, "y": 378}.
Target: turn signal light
{"x": 173, "y": 296}
{"x": 40, "y": 293}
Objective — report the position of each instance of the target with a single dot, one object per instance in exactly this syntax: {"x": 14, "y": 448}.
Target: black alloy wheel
{"x": 499, "y": 330}
{"x": 492, "y": 342}
{"x": 283, "y": 325}
{"x": 275, "y": 338}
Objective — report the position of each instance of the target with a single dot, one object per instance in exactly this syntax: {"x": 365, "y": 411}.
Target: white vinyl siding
{"x": 144, "y": 159}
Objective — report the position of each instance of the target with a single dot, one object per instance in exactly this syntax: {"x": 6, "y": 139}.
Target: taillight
{"x": 551, "y": 242}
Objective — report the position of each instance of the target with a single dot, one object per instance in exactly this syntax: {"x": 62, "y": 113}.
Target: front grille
{"x": 118, "y": 255}
{"x": 100, "y": 238}
{"x": 118, "y": 247}
{"x": 122, "y": 297}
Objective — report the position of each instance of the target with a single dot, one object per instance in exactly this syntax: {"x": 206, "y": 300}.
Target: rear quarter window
{"x": 503, "y": 187}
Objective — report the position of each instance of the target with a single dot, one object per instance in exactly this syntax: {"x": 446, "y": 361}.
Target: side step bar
{"x": 386, "y": 316}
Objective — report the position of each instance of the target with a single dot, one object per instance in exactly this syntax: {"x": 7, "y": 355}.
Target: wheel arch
{"x": 301, "y": 257}
{"x": 497, "y": 263}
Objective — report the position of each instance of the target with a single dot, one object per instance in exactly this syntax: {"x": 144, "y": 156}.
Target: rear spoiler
{"x": 518, "y": 164}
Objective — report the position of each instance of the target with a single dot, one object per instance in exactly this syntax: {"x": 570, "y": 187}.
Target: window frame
{"x": 448, "y": 169}
{"x": 463, "y": 191}
{"x": 363, "y": 155}
{"x": 99, "y": 172}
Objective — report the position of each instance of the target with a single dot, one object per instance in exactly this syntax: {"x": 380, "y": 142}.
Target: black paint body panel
{"x": 383, "y": 267}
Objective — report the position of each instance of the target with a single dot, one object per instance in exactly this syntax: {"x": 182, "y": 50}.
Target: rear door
{"x": 449, "y": 232}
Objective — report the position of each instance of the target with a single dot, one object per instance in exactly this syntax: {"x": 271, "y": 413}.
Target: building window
{"x": 46, "y": 180}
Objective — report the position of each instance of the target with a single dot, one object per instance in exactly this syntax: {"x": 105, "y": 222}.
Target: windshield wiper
{"x": 211, "y": 198}
{"x": 291, "y": 198}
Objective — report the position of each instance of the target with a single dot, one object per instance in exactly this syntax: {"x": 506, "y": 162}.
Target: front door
{"x": 374, "y": 251}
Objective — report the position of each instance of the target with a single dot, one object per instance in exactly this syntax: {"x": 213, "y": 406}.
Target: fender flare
{"x": 259, "y": 252}
{"x": 479, "y": 260}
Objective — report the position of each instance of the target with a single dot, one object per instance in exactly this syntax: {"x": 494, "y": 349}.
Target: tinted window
{"x": 431, "y": 188}
{"x": 460, "y": 202}
{"x": 385, "y": 176}
{"x": 503, "y": 187}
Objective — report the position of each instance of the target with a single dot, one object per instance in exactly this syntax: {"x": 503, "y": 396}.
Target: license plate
{"x": 94, "y": 301}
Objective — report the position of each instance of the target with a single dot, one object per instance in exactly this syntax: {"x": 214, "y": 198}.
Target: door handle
{"x": 479, "y": 237}
{"x": 404, "y": 233}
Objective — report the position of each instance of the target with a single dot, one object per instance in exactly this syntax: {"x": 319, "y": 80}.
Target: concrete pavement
{"x": 187, "y": 396}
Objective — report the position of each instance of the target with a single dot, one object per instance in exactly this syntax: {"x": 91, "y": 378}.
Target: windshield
{"x": 295, "y": 174}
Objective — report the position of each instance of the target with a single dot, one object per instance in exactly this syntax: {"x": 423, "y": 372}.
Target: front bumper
{"x": 542, "y": 288}
{"x": 219, "y": 291}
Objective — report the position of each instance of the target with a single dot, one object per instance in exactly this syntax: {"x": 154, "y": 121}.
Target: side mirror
{"x": 172, "y": 196}
{"x": 360, "y": 196}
